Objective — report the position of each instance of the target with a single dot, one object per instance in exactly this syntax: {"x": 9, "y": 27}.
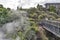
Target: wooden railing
{"x": 52, "y": 26}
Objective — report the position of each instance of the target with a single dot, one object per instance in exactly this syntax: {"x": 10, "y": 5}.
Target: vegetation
{"x": 35, "y": 16}
{"x": 52, "y": 9}
{"x": 40, "y": 7}
{"x": 3, "y": 14}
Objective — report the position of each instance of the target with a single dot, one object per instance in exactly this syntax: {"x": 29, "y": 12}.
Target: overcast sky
{"x": 24, "y": 3}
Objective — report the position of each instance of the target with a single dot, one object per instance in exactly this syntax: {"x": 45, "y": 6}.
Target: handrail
{"x": 54, "y": 23}
{"x": 52, "y": 26}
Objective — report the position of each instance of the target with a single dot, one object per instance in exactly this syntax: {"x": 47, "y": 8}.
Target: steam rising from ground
{"x": 11, "y": 28}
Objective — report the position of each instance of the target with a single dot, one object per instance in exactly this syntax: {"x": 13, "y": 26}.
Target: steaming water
{"x": 13, "y": 27}
{"x": 3, "y": 35}
{"x": 10, "y": 29}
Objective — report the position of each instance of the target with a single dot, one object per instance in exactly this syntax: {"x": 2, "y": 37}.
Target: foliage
{"x": 40, "y": 7}
{"x": 42, "y": 16}
{"x": 52, "y": 9}
{"x": 8, "y": 9}
{"x": 1, "y": 6}
{"x": 27, "y": 34}
{"x": 35, "y": 15}
{"x": 58, "y": 19}
{"x": 4, "y": 17}
{"x": 19, "y": 8}
{"x": 53, "y": 14}
{"x": 32, "y": 10}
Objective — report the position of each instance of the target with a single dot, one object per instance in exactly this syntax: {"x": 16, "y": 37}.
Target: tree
{"x": 40, "y": 7}
{"x": 1, "y": 6}
{"x": 19, "y": 8}
{"x": 8, "y": 9}
{"x": 3, "y": 15}
{"x": 52, "y": 9}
